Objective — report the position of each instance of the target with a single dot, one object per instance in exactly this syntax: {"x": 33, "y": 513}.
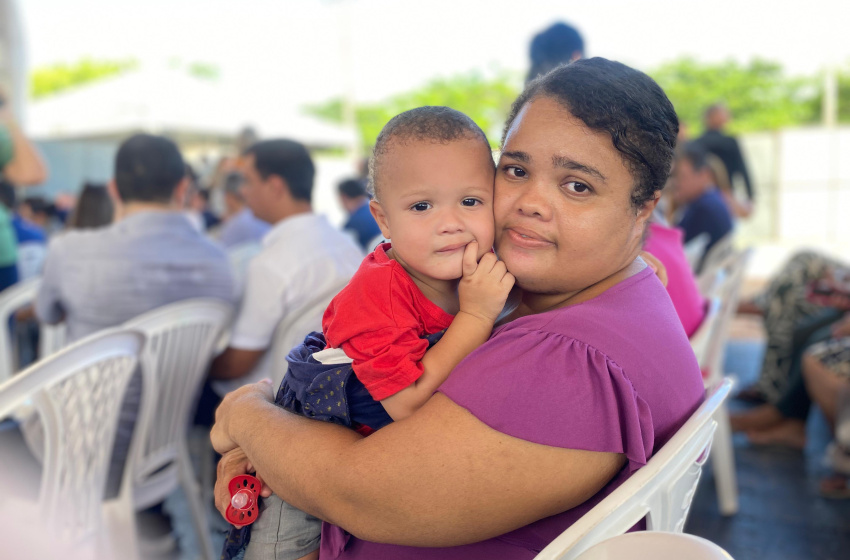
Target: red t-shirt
{"x": 380, "y": 320}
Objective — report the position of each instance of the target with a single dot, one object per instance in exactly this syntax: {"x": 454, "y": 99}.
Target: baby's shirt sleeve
{"x": 374, "y": 320}
{"x": 554, "y": 390}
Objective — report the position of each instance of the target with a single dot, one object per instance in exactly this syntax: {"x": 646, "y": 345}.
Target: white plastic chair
{"x": 12, "y": 299}
{"x": 655, "y": 545}
{"x": 77, "y": 393}
{"x": 182, "y": 339}
{"x": 661, "y": 491}
{"x": 722, "y": 250}
{"x": 51, "y": 337}
{"x": 695, "y": 249}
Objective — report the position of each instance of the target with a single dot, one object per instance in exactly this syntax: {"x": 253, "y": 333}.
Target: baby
{"x": 432, "y": 174}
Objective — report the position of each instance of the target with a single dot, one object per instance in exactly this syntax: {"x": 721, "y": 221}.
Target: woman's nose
{"x": 533, "y": 202}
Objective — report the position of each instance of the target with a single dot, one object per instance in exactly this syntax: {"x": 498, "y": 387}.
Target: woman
{"x": 93, "y": 210}
{"x": 591, "y": 375}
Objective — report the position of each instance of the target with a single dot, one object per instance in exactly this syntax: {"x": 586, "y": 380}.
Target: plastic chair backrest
{"x": 292, "y": 329}
{"x": 718, "y": 253}
{"x": 78, "y": 394}
{"x": 181, "y": 339}
{"x": 695, "y": 249}
{"x": 702, "y": 340}
{"x": 661, "y": 491}
{"x": 655, "y": 545}
{"x": 728, "y": 292}
{"x": 12, "y": 299}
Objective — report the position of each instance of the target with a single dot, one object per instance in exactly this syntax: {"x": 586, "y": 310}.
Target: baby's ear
{"x": 380, "y": 217}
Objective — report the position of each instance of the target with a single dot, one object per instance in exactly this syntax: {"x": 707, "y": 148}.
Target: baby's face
{"x": 434, "y": 200}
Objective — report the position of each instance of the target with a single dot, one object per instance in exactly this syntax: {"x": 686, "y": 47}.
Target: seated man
{"x": 304, "y": 262}
{"x": 705, "y": 211}
{"x": 355, "y": 201}
{"x": 240, "y": 225}
{"x": 150, "y": 257}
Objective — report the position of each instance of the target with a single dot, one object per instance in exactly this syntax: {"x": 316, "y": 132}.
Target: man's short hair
{"x": 7, "y": 194}
{"x": 552, "y": 47}
{"x": 148, "y": 168}
{"x": 290, "y": 161}
{"x": 352, "y": 188}
{"x": 439, "y": 125}
{"x": 233, "y": 184}
{"x": 622, "y": 102}
{"x": 695, "y": 153}
{"x": 39, "y": 205}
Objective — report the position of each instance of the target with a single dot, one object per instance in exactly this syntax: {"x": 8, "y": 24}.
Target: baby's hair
{"x": 439, "y": 125}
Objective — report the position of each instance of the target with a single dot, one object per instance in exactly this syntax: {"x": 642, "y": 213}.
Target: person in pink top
{"x": 665, "y": 244}
{"x": 588, "y": 378}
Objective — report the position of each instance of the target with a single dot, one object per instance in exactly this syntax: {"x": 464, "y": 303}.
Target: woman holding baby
{"x": 571, "y": 394}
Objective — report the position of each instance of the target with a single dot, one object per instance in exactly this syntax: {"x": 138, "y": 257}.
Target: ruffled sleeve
{"x": 554, "y": 390}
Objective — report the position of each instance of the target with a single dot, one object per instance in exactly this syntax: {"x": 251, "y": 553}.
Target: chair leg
{"x": 723, "y": 464}
{"x": 193, "y": 494}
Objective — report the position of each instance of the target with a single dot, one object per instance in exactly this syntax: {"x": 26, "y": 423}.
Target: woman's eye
{"x": 420, "y": 207}
{"x": 576, "y": 187}
{"x": 470, "y": 201}
{"x": 514, "y": 171}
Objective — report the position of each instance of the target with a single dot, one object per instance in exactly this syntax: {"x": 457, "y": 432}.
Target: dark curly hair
{"x": 436, "y": 124}
{"x": 626, "y": 104}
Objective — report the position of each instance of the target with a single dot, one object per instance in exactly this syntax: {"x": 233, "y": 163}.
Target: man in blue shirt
{"x": 353, "y": 197}
{"x": 32, "y": 241}
{"x": 705, "y": 210}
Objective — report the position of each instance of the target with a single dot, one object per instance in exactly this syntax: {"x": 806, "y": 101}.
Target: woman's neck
{"x": 533, "y": 303}
{"x": 442, "y": 293}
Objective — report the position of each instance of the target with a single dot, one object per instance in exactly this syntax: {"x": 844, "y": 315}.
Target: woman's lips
{"x": 528, "y": 239}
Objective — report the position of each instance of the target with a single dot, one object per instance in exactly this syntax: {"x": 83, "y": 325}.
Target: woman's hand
{"x": 221, "y": 434}
{"x": 233, "y": 463}
{"x": 656, "y": 265}
{"x": 485, "y": 284}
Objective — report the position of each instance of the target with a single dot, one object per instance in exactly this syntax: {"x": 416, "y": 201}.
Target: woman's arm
{"x": 439, "y": 478}
{"x": 26, "y": 167}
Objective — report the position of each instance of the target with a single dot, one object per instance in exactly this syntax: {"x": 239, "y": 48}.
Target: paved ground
{"x": 781, "y": 516}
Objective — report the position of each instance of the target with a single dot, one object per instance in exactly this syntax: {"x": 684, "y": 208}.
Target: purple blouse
{"x": 613, "y": 374}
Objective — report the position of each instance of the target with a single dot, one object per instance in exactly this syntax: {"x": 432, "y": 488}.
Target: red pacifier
{"x": 244, "y": 493}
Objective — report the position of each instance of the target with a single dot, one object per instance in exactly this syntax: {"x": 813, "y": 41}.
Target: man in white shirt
{"x": 303, "y": 264}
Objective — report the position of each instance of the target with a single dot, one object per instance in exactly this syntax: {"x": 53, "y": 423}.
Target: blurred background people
{"x": 93, "y": 209}
{"x": 239, "y": 225}
{"x": 360, "y": 223}
{"x": 704, "y": 210}
{"x": 725, "y": 147}
{"x": 31, "y": 239}
{"x": 560, "y": 43}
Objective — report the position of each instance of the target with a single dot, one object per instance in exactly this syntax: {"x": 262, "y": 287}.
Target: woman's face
{"x": 564, "y": 218}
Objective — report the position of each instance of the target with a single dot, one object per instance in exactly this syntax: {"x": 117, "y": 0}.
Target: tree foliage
{"x": 759, "y": 94}
{"x": 54, "y": 78}
{"x": 486, "y": 100}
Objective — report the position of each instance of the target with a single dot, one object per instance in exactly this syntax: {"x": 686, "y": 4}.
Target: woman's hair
{"x": 93, "y": 209}
{"x": 626, "y": 104}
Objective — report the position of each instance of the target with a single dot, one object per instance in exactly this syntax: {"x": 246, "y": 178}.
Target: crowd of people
{"x": 490, "y": 350}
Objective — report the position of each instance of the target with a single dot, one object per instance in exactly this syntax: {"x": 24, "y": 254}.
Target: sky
{"x": 306, "y": 51}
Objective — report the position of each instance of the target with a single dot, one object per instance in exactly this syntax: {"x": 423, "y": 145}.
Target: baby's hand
{"x": 485, "y": 284}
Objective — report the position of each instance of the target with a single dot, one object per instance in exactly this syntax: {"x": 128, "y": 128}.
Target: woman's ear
{"x": 645, "y": 211}
{"x": 381, "y": 217}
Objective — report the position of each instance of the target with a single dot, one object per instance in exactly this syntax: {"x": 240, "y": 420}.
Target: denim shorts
{"x": 282, "y": 532}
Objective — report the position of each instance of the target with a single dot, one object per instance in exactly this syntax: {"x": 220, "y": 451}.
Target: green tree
{"x": 486, "y": 100}
{"x": 759, "y": 94}
{"x": 54, "y": 78}
{"x": 843, "y": 78}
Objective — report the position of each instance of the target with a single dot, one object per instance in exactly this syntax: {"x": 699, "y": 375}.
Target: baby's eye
{"x": 420, "y": 206}
{"x": 470, "y": 201}
{"x": 514, "y": 171}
